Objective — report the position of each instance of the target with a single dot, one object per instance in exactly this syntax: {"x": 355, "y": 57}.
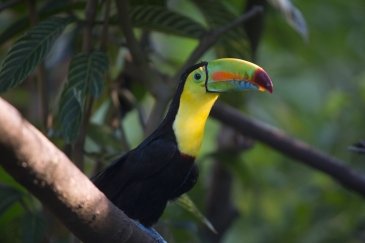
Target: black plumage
{"x": 142, "y": 181}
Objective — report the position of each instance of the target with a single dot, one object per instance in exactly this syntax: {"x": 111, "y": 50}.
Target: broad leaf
{"x": 185, "y": 202}
{"x": 15, "y": 28}
{"x": 8, "y": 196}
{"x": 51, "y": 8}
{"x": 29, "y": 51}
{"x": 85, "y": 77}
{"x": 162, "y": 19}
{"x": 98, "y": 65}
{"x": 33, "y": 226}
{"x": 70, "y": 113}
{"x": 234, "y": 42}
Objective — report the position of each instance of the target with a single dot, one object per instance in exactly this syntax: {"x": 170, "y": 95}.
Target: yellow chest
{"x": 190, "y": 121}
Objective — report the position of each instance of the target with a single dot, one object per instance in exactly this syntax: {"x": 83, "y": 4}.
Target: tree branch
{"x": 294, "y": 148}
{"x": 154, "y": 80}
{"x": 126, "y": 25}
{"x": 38, "y": 165}
{"x": 105, "y": 28}
{"x": 90, "y": 13}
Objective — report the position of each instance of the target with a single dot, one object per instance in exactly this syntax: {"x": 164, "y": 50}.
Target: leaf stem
{"x": 40, "y": 74}
{"x": 115, "y": 101}
{"x": 126, "y": 25}
{"x": 78, "y": 147}
{"x": 151, "y": 78}
{"x": 105, "y": 28}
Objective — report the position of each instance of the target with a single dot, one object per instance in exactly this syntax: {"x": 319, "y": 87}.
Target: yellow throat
{"x": 190, "y": 119}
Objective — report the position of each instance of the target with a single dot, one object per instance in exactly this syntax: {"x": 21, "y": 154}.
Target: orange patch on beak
{"x": 221, "y": 75}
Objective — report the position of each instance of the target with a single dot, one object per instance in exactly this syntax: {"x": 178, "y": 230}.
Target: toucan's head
{"x": 227, "y": 74}
{"x": 200, "y": 88}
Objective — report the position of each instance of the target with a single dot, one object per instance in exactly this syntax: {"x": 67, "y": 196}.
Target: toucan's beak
{"x": 228, "y": 74}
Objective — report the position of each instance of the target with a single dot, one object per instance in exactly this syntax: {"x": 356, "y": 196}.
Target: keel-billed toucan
{"x": 162, "y": 167}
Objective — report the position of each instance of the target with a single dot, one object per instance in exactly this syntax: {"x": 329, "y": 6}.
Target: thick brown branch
{"x": 292, "y": 147}
{"x": 45, "y": 171}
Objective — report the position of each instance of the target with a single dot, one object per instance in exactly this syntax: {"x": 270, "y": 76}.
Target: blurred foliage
{"x": 319, "y": 97}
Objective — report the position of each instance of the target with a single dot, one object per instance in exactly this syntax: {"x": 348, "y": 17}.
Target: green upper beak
{"x": 228, "y": 74}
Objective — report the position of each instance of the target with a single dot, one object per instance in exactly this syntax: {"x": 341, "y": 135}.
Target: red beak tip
{"x": 270, "y": 89}
{"x": 263, "y": 80}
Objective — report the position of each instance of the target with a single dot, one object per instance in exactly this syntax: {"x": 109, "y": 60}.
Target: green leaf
{"x": 86, "y": 72}
{"x": 234, "y": 42}
{"x": 33, "y": 227}
{"x": 50, "y": 8}
{"x": 85, "y": 77}
{"x": 13, "y": 29}
{"x": 186, "y": 203}
{"x": 161, "y": 19}
{"x": 29, "y": 51}
{"x": 98, "y": 67}
{"x": 70, "y": 113}
{"x": 8, "y": 196}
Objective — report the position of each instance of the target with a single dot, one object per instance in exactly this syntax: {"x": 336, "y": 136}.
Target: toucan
{"x": 162, "y": 167}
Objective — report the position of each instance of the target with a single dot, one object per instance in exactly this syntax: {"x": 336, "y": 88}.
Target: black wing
{"x": 138, "y": 164}
{"x": 142, "y": 181}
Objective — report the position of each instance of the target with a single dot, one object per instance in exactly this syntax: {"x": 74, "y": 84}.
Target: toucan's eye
{"x": 197, "y": 76}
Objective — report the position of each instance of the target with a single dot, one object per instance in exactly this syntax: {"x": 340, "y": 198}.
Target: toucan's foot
{"x": 151, "y": 231}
